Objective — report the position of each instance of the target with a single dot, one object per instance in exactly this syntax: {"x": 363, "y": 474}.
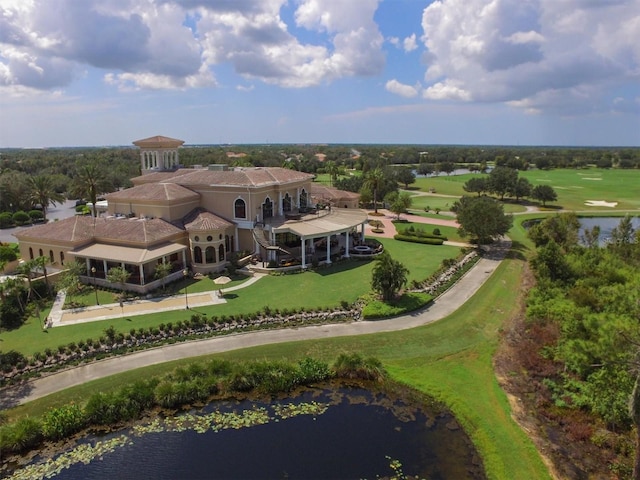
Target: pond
{"x": 607, "y": 224}
{"x": 319, "y": 434}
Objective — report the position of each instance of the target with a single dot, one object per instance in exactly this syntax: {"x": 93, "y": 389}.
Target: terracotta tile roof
{"x": 84, "y": 229}
{"x": 154, "y": 191}
{"x": 134, "y": 230}
{"x": 244, "y": 177}
{"x": 158, "y": 177}
{"x": 322, "y": 191}
{"x": 201, "y": 219}
{"x": 73, "y": 229}
{"x": 158, "y": 142}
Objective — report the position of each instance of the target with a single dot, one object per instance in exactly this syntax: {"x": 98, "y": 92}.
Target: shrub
{"x": 354, "y": 366}
{"x": 312, "y": 370}
{"x": 21, "y": 218}
{"x": 7, "y": 253}
{"x": 6, "y": 220}
{"x": 424, "y": 240}
{"x": 36, "y": 215}
{"x": 62, "y": 421}
{"x": 24, "y": 434}
{"x": 436, "y": 231}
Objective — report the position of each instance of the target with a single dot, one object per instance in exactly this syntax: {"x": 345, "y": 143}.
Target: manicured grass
{"x": 324, "y": 288}
{"x": 573, "y": 186}
{"x": 419, "y": 202}
{"x": 450, "y": 232}
{"x": 450, "y": 360}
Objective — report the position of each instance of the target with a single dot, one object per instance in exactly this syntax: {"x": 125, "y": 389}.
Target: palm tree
{"x": 374, "y": 181}
{"x": 42, "y": 191}
{"x": 90, "y": 182}
{"x": 118, "y": 275}
{"x": 332, "y": 169}
{"x": 41, "y": 262}
{"x": 162, "y": 271}
{"x": 25, "y": 271}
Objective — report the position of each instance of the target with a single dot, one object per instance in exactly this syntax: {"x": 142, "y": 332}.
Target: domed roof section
{"x": 158, "y": 142}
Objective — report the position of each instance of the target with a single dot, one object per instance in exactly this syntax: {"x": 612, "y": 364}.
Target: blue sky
{"x": 518, "y": 72}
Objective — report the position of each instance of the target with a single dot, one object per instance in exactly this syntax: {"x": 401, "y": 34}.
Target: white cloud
{"x": 539, "y": 55}
{"x": 401, "y": 89}
{"x": 179, "y": 43}
{"x": 409, "y": 44}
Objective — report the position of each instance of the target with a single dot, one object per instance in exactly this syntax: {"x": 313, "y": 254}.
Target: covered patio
{"x": 326, "y": 234}
{"x": 139, "y": 262}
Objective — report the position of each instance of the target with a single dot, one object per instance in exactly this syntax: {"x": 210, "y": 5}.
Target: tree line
{"x": 583, "y": 316}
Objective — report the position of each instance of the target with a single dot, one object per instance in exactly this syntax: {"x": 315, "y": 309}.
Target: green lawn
{"x": 573, "y": 186}
{"x": 450, "y": 232}
{"x": 450, "y": 360}
{"x": 313, "y": 289}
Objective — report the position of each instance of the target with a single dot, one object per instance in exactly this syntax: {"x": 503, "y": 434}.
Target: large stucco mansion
{"x": 195, "y": 218}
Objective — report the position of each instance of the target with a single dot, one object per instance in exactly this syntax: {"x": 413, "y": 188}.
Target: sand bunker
{"x": 600, "y": 203}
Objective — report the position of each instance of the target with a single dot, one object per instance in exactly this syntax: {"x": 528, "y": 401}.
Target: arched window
{"x": 240, "y": 209}
{"x": 40, "y": 253}
{"x": 30, "y": 253}
{"x": 61, "y": 258}
{"x": 227, "y": 243}
{"x": 267, "y": 209}
{"x": 197, "y": 255}
{"x": 221, "y": 253}
{"x": 210, "y": 254}
{"x": 303, "y": 199}
{"x": 286, "y": 203}
{"x": 51, "y": 257}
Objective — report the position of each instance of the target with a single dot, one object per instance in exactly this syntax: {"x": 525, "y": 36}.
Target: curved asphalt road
{"x": 446, "y": 304}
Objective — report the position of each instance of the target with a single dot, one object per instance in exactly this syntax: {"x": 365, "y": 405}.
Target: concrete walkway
{"x": 59, "y": 317}
{"x": 445, "y": 305}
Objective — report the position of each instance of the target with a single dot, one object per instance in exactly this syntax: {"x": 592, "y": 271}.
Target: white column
{"x": 346, "y": 247}
{"x": 104, "y": 267}
{"x": 184, "y": 258}
{"x": 304, "y": 253}
{"x": 141, "y": 267}
{"x": 328, "y": 249}
{"x": 279, "y": 210}
{"x": 235, "y": 240}
{"x": 362, "y": 233}
{"x": 88, "y": 263}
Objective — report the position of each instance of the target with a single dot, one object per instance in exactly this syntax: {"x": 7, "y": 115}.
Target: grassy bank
{"x": 450, "y": 359}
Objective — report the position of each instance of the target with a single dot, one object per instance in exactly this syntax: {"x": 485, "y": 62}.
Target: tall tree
{"x": 42, "y": 191}
{"x": 481, "y": 218}
{"x": 544, "y": 193}
{"x": 399, "y": 203}
{"x": 374, "y": 181}
{"x": 332, "y": 170}
{"x": 502, "y": 180}
{"x": 90, "y": 182}
{"x": 405, "y": 176}
{"x": 476, "y": 185}
{"x": 388, "y": 276}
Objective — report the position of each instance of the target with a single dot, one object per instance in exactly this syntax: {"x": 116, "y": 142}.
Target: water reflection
{"x": 351, "y": 433}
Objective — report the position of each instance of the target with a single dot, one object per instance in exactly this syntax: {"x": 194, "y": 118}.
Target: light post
{"x": 185, "y": 274}
{"x": 95, "y": 285}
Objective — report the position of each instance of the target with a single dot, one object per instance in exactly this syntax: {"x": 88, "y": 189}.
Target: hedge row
{"x": 425, "y": 240}
{"x": 196, "y": 383}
